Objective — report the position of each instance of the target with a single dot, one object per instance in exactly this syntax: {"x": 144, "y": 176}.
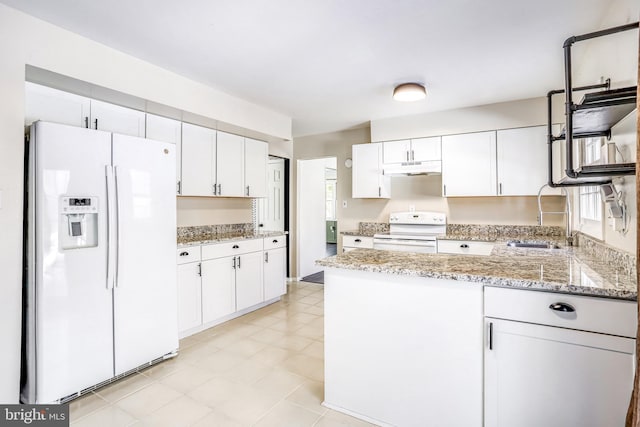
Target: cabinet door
{"x": 425, "y": 149}
{"x": 275, "y": 281}
{"x": 396, "y": 151}
{"x": 52, "y": 105}
{"x": 469, "y": 164}
{"x": 189, "y": 297}
{"x": 554, "y": 377}
{"x": 522, "y": 161}
{"x": 256, "y": 156}
{"x": 230, "y": 165}
{"x": 368, "y": 181}
{"x": 218, "y": 288}
{"x": 249, "y": 289}
{"x": 117, "y": 119}
{"x": 198, "y": 167}
{"x": 167, "y": 130}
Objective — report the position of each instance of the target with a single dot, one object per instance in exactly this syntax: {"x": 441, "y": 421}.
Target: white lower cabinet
{"x": 465, "y": 247}
{"x": 189, "y": 296}
{"x": 221, "y": 281}
{"x": 249, "y": 287}
{"x": 275, "y": 272}
{"x": 540, "y": 370}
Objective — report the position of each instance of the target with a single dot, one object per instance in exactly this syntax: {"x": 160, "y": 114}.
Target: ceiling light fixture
{"x": 408, "y": 92}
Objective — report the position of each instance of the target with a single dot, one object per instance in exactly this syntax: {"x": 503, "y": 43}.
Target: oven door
{"x": 405, "y": 245}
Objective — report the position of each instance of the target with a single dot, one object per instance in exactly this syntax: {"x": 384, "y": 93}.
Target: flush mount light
{"x": 408, "y": 92}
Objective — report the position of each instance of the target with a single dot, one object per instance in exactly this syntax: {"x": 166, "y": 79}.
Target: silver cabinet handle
{"x": 464, "y": 246}
{"x": 247, "y": 190}
{"x": 235, "y": 247}
{"x": 266, "y": 257}
{"x": 413, "y": 157}
{"x": 200, "y": 269}
{"x": 219, "y": 189}
{"x": 407, "y": 155}
{"x": 444, "y": 190}
{"x": 86, "y": 122}
{"x": 179, "y": 187}
{"x": 234, "y": 263}
{"x": 357, "y": 240}
{"x": 275, "y": 241}
{"x": 96, "y": 123}
{"x": 214, "y": 189}
{"x": 184, "y": 253}
{"x": 562, "y": 306}
{"x": 490, "y": 335}
{"x": 379, "y": 191}
{"x": 500, "y": 188}
{"x": 238, "y": 262}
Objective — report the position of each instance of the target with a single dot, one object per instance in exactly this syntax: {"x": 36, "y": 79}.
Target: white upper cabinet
{"x": 52, "y": 105}
{"x": 198, "y": 162}
{"x": 411, "y": 150}
{"x": 426, "y": 149}
{"x": 256, "y": 156}
{"x": 117, "y": 119}
{"x": 230, "y": 165}
{"x": 522, "y": 161}
{"x": 368, "y": 179}
{"x": 469, "y": 164}
{"x": 167, "y": 130}
{"x": 396, "y": 151}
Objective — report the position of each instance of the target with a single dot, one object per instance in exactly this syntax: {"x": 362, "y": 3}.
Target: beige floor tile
{"x": 315, "y": 349}
{"x": 250, "y": 406}
{"x": 307, "y": 366}
{"x": 247, "y": 372}
{"x": 182, "y": 412}
{"x": 334, "y": 418}
{"x": 280, "y": 382}
{"x": 264, "y": 321}
{"x": 85, "y": 405}
{"x": 198, "y": 351}
{"x": 187, "y": 379}
{"x": 149, "y": 399}
{"x": 313, "y": 332}
{"x": 313, "y": 309}
{"x": 304, "y": 318}
{"x": 293, "y": 342}
{"x": 189, "y": 341}
{"x": 110, "y": 416}
{"x": 310, "y": 299}
{"x": 216, "y": 419}
{"x": 220, "y": 362}
{"x": 217, "y": 391}
{"x": 165, "y": 368}
{"x": 309, "y": 395}
{"x": 267, "y": 336}
{"x": 246, "y": 329}
{"x": 124, "y": 387}
{"x": 246, "y": 347}
{"x": 272, "y": 356}
{"x": 286, "y": 414}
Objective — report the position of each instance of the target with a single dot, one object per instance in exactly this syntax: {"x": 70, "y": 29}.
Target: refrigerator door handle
{"x": 117, "y": 224}
{"x": 110, "y": 227}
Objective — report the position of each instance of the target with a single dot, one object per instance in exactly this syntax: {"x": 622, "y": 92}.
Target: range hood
{"x": 432, "y": 167}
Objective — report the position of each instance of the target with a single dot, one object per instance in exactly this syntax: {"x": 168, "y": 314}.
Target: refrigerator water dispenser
{"x": 78, "y": 224}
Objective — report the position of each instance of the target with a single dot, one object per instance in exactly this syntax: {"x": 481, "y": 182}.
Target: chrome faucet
{"x": 567, "y": 213}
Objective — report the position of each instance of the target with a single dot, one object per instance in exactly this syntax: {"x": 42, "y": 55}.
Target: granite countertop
{"x": 565, "y": 270}
{"x": 225, "y": 237}
{"x": 369, "y": 233}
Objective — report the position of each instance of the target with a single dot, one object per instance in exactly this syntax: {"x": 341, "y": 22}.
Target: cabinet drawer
{"x": 464, "y": 247}
{"x": 357, "y": 242}
{"x": 236, "y": 247}
{"x": 188, "y": 254}
{"x": 275, "y": 242}
{"x": 592, "y": 314}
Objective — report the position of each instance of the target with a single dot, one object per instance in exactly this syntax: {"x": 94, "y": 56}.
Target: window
{"x": 590, "y": 202}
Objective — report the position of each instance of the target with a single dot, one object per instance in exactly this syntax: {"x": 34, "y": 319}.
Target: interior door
{"x": 545, "y": 376}
{"x": 271, "y": 208}
{"x": 145, "y": 309}
{"x": 311, "y": 215}
{"x": 72, "y": 301}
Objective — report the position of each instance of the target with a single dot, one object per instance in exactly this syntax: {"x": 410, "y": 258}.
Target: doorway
{"x": 317, "y": 221}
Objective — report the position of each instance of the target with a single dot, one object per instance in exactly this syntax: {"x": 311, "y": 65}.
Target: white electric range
{"x": 412, "y": 232}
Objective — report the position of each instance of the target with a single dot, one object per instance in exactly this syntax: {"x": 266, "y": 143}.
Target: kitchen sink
{"x": 536, "y": 245}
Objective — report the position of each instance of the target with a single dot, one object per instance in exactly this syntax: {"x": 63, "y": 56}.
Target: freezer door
{"x": 145, "y": 294}
{"x": 69, "y": 335}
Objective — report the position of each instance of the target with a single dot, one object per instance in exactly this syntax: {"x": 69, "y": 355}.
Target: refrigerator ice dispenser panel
{"x": 78, "y": 223}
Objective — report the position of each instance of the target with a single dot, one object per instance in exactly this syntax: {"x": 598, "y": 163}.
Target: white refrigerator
{"x": 100, "y": 284}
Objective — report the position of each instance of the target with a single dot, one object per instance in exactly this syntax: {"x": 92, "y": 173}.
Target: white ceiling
{"x": 332, "y": 64}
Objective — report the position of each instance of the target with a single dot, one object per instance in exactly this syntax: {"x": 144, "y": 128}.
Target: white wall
{"x": 24, "y": 41}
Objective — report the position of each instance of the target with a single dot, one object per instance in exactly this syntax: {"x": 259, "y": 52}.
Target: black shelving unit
{"x": 594, "y": 116}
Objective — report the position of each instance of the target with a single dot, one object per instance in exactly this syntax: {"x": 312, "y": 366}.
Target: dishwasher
{"x": 557, "y": 360}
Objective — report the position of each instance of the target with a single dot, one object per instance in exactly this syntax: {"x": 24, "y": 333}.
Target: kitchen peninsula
{"x": 420, "y": 339}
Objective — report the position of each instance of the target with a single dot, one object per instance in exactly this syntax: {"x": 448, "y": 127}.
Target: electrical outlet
{"x": 344, "y": 203}
{"x": 412, "y": 208}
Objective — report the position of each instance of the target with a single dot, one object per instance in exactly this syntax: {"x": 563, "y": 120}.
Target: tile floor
{"x": 262, "y": 369}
